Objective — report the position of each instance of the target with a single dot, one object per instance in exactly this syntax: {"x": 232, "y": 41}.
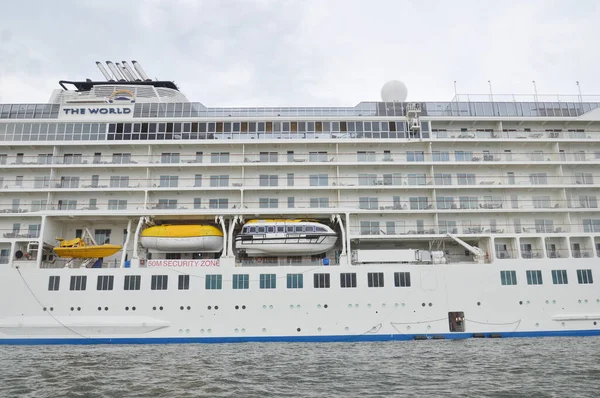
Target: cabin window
{"x": 534, "y": 277}
{"x": 320, "y": 229}
{"x": 280, "y": 229}
{"x": 268, "y": 281}
{"x": 241, "y": 281}
{"x": 261, "y": 230}
{"x": 295, "y": 281}
{"x": 105, "y": 282}
{"x": 584, "y": 276}
{"x": 309, "y": 228}
{"x": 375, "y": 279}
{"x": 456, "y": 321}
{"x": 271, "y": 229}
{"x": 348, "y": 279}
{"x": 321, "y": 281}
{"x": 559, "y": 277}
{"x": 214, "y": 282}
{"x": 508, "y": 278}
{"x": 183, "y": 282}
{"x": 159, "y": 282}
{"x": 132, "y": 282}
{"x": 252, "y": 230}
{"x": 402, "y": 279}
{"x": 54, "y": 283}
{"x": 290, "y": 229}
{"x": 78, "y": 282}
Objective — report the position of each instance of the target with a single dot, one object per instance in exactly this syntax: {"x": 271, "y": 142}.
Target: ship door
{"x": 456, "y": 320}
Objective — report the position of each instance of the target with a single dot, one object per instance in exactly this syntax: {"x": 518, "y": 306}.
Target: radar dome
{"x": 394, "y": 91}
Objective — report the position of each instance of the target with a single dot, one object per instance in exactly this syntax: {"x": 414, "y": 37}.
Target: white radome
{"x": 394, "y": 91}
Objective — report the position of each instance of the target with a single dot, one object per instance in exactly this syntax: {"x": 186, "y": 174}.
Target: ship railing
{"x": 283, "y": 261}
{"x": 550, "y": 134}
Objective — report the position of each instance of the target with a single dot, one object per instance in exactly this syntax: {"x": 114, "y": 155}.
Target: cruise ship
{"x": 130, "y": 214}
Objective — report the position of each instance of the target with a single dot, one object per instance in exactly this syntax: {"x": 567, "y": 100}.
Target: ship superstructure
{"x": 420, "y": 219}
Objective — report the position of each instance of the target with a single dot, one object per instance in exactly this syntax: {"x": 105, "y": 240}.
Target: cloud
{"x": 304, "y": 53}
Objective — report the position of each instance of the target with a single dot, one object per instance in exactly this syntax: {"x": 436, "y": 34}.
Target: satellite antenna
{"x": 394, "y": 91}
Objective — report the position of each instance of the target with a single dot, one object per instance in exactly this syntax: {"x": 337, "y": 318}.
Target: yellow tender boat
{"x": 77, "y": 248}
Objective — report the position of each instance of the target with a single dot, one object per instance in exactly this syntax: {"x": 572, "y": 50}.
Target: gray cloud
{"x": 311, "y": 53}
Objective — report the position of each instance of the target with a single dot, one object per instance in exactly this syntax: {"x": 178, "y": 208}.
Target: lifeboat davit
{"x": 183, "y": 238}
{"x": 285, "y": 238}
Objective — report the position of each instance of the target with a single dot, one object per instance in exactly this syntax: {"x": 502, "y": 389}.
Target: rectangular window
{"x": 348, "y": 280}
{"x": 402, "y": 279}
{"x": 268, "y": 180}
{"x": 295, "y": 281}
{"x": 321, "y": 281}
{"x": 159, "y": 282}
{"x": 218, "y": 203}
{"x": 241, "y": 281}
{"x": 559, "y": 277}
{"x": 78, "y": 282}
{"x": 268, "y": 281}
{"x": 117, "y": 204}
{"x": 105, "y": 282}
{"x": 375, "y": 279}
{"x": 534, "y": 277}
{"x": 584, "y": 276}
{"x": 102, "y": 236}
{"x": 183, "y": 282}
{"x": 54, "y": 283}
{"x": 213, "y": 282}
{"x": 508, "y": 278}
{"x": 219, "y": 180}
{"x": 132, "y": 282}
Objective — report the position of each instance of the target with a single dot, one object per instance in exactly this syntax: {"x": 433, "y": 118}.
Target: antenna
{"x": 535, "y": 91}
{"x": 579, "y": 90}
{"x": 103, "y": 71}
{"x": 114, "y": 71}
{"x": 140, "y": 70}
{"x": 130, "y": 71}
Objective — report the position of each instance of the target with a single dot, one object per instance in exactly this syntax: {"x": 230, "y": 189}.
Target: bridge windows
{"x": 105, "y": 282}
{"x": 321, "y": 281}
{"x": 54, "y": 283}
{"x": 508, "y": 278}
{"x": 348, "y": 280}
{"x": 78, "y": 282}
{"x": 159, "y": 282}
{"x": 132, "y": 282}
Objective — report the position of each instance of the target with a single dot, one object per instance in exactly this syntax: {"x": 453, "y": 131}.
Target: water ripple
{"x": 536, "y": 367}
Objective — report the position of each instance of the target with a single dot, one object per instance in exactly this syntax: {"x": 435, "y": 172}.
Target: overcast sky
{"x": 305, "y": 53}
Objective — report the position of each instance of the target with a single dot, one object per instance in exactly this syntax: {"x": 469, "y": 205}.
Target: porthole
{"x": 408, "y": 328}
{"x": 431, "y": 304}
{"x": 45, "y": 308}
{"x": 132, "y": 308}
{"x": 325, "y": 306}
{"x": 403, "y": 305}
{"x": 264, "y": 330}
{"x": 243, "y": 330}
{"x": 187, "y": 330}
{"x": 105, "y": 308}
{"x": 423, "y": 304}
{"x": 396, "y": 305}
{"x": 479, "y": 303}
{"x": 428, "y": 327}
{"x": 181, "y": 308}
{"x": 369, "y": 305}
{"x": 51, "y": 308}
{"x": 99, "y": 308}
{"x": 547, "y": 302}
{"x": 528, "y": 302}
{"x": 383, "y": 305}
{"x": 154, "y": 308}
{"x": 209, "y": 307}
{"x": 298, "y": 306}
{"x": 201, "y": 330}
{"x": 563, "y": 324}
{"x": 520, "y": 303}
{"x": 319, "y": 329}
{"x": 126, "y": 308}
{"x": 216, "y": 307}
{"x": 318, "y": 305}
{"x": 346, "y": 328}
{"x": 594, "y": 323}
{"x": 209, "y": 330}
{"x": 237, "y": 307}
{"x": 298, "y": 329}
{"x": 243, "y": 307}
{"x": 579, "y": 301}
{"x": 264, "y": 307}
{"x": 349, "y": 306}
{"x": 585, "y": 301}
{"x": 236, "y": 330}
{"x": 73, "y": 308}
{"x": 270, "y": 307}
{"x": 537, "y": 324}
{"x": 355, "y": 305}
{"x": 78, "y": 308}
{"x": 189, "y": 308}
{"x": 292, "y": 306}
{"x": 160, "y": 308}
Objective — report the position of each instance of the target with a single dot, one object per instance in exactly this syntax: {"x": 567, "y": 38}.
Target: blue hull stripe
{"x": 290, "y": 339}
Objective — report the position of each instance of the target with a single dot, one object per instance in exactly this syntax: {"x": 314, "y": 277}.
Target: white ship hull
{"x": 420, "y": 311}
{"x": 198, "y": 244}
